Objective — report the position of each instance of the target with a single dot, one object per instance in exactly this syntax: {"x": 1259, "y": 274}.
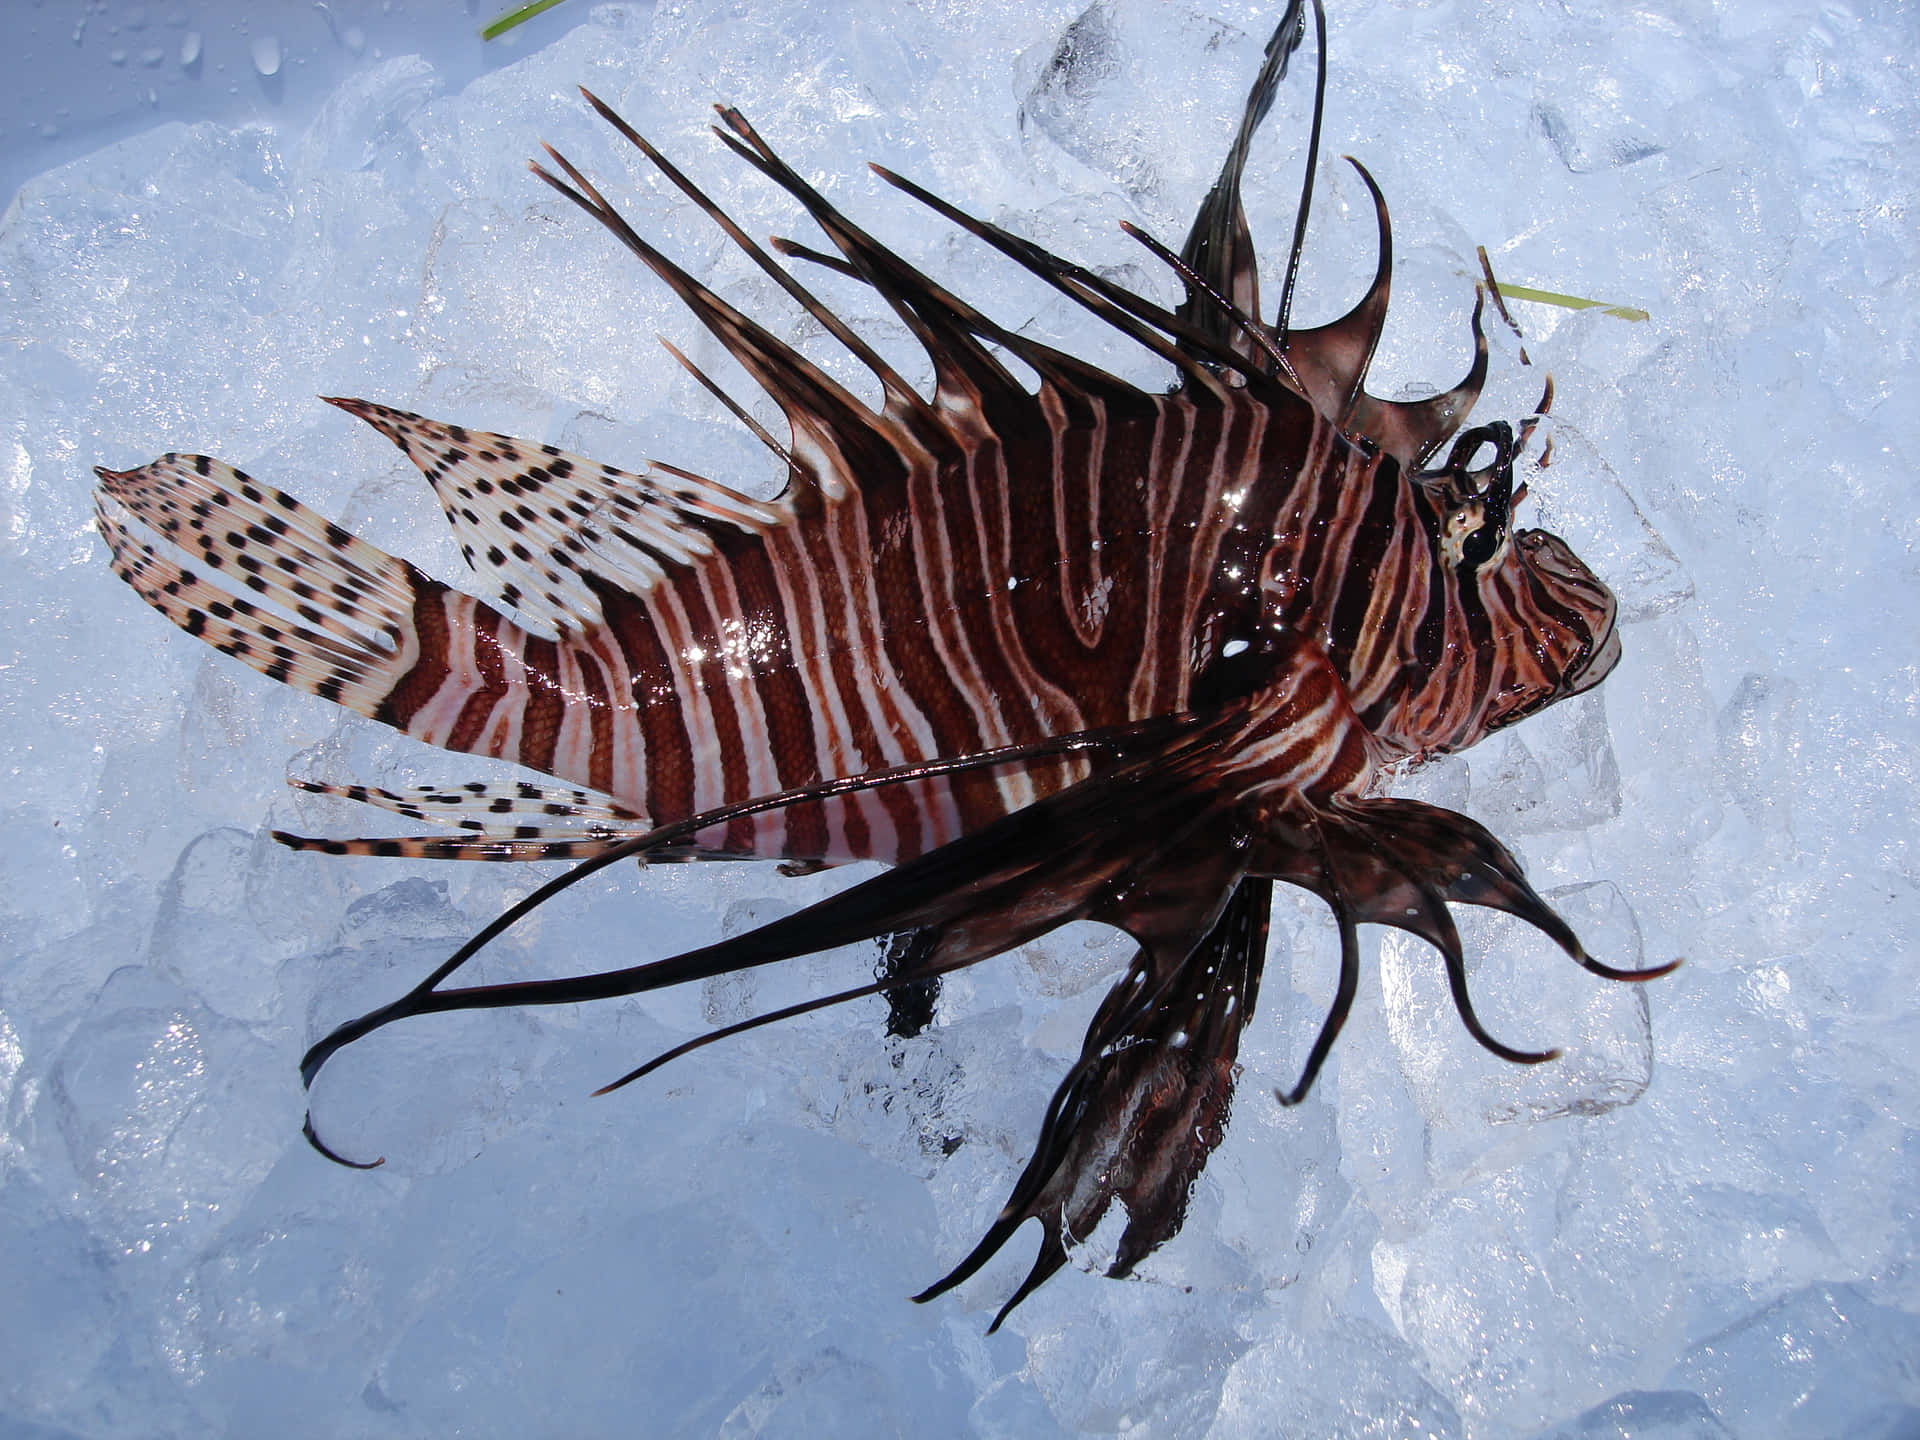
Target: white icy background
{"x": 1700, "y": 1224}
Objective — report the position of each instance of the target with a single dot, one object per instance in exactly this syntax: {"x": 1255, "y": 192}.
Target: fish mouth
{"x": 1583, "y": 593}
{"x": 1595, "y": 664}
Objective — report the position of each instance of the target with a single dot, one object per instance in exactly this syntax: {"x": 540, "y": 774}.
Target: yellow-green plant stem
{"x": 1568, "y": 302}
{"x": 516, "y": 17}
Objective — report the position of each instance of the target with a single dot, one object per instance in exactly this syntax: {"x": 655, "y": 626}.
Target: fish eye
{"x": 1475, "y": 536}
{"x": 1485, "y": 546}
{"x": 1474, "y": 533}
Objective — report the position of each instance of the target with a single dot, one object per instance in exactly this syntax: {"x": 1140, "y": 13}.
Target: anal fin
{"x": 571, "y": 824}
{"x": 477, "y": 806}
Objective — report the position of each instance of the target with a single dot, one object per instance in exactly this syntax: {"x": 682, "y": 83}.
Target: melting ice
{"x": 1700, "y": 1223}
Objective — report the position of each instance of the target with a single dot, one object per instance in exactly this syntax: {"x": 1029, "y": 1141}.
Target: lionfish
{"x": 1077, "y": 651}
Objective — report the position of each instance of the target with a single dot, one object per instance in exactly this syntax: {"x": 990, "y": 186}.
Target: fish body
{"x": 778, "y": 646}
{"x": 1073, "y": 651}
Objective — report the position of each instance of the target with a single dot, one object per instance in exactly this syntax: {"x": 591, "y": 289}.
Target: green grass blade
{"x": 516, "y": 17}
{"x": 1569, "y": 302}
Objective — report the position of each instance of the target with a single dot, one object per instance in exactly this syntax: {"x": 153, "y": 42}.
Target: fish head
{"x": 1568, "y": 617}
{"x": 1543, "y": 622}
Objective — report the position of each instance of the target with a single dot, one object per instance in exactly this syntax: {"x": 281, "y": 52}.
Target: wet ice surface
{"x": 1700, "y": 1223}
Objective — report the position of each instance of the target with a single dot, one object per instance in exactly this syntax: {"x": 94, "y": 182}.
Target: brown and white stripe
{"x": 981, "y": 568}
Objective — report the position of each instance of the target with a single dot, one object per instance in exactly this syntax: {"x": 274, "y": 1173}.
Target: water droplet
{"x": 355, "y": 39}
{"x": 266, "y": 54}
{"x": 190, "y": 48}
{"x": 117, "y": 56}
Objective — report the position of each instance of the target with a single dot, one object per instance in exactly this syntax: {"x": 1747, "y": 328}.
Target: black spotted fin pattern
{"x": 1082, "y": 651}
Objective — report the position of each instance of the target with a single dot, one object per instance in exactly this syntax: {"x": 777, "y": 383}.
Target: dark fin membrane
{"x": 1398, "y": 862}
{"x": 1331, "y": 362}
{"x": 1218, "y": 324}
{"x": 910, "y": 1002}
{"x": 975, "y": 897}
{"x": 1146, "y": 1105}
{"x": 1219, "y": 247}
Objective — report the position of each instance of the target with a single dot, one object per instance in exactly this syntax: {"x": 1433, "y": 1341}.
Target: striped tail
{"x": 357, "y": 638}
{"x": 313, "y": 606}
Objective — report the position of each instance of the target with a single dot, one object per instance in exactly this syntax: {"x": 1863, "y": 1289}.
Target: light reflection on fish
{"x": 1080, "y": 652}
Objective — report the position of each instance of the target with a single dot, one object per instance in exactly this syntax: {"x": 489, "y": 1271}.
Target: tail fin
{"x": 354, "y": 639}
{"x": 305, "y": 602}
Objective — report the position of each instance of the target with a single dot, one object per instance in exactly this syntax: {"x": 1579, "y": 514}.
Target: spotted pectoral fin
{"x": 1139, "y": 1114}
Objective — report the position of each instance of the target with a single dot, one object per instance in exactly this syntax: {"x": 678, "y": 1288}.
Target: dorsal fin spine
{"x": 897, "y": 388}
{"x": 813, "y": 402}
{"x": 1092, "y": 292}
{"x": 945, "y": 326}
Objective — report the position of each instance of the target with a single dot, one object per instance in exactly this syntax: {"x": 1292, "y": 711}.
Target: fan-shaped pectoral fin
{"x": 1061, "y": 859}
{"x": 1401, "y": 863}
{"x": 1140, "y": 1113}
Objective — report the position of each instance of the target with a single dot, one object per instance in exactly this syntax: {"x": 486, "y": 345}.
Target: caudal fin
{"x": 344, "y": 625}
{"x": 259, "y": 576}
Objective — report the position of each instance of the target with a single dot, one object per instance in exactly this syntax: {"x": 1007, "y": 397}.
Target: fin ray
{"x": 470, "y": 805}
{"x": 355, "y": 665}
{"x": 535, "y": 521}
{"x": 1140, "y": 1112}
{"x": 1219, "y": 246}
{"x": 525, "y": 843}
{"x": 831, "y": 429}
